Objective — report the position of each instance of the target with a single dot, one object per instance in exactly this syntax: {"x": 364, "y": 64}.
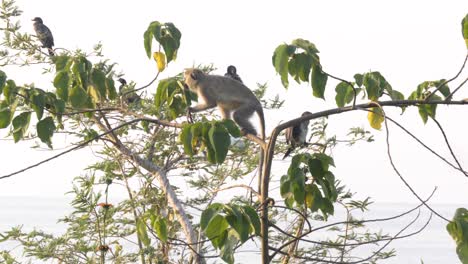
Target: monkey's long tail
{"x": 262, "y": 151}
{"x": 287, "y": 152}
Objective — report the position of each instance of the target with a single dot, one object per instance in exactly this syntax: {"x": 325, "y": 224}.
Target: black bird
{"x": 232, "y": 73}
{"x": 44, "y": 35}
{"x": 296, "y": 135}
{"x": 129, "y": 97}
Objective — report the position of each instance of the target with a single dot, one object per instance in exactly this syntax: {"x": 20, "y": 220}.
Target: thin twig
{"x": 444, "y": 83}
{"x": 449, "y": 147}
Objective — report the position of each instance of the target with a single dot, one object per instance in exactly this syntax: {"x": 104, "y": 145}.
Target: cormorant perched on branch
{"x": 296, "y": 135}
{"x": 129, "y": 97}
{"x": 44, "y": 35}
{"x": 232, "y": 73}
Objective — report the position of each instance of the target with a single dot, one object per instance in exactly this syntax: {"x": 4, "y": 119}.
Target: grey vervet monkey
{"x": 296, "y": 135}
{"x": 229, "y": 95}
{"x": 232, "y": 73}
{"x": 44, "y": 35}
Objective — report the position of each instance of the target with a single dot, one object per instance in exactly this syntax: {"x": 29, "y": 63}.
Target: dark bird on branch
{"x": 232, "y": 73}
{"x": 44, "y": 35}
{"x": 128, "y": 96}
{"x": 296, "y": 135}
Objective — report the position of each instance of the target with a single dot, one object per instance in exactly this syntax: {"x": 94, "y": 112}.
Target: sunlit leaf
{"x": 344, "y": 94}
{"x": 3, "y": 78}
{"x": 375, "y": 117}
{"x": 231, "y": 127}
{"x": 78, "y": 97}
{"x": 458, "y": 229}
{"x": 61, "y": 82}
{"x": 465, "y": 29}
{"x": 20, "y": 125}
{"x": 142, "y": 232}
{"x": 160, "y": 59}
{"x": 160, "y": 226}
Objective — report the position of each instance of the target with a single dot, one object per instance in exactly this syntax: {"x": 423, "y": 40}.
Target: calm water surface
{"x": 433, "y": 245}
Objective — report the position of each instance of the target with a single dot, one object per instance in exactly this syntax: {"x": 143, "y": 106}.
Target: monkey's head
{"x": 231, "y": 69}
{"x": 38, "y": 20}
{"x": 192, "y": 77}
{"x": 122, "y": 81}
{"x": 304, "y": 114}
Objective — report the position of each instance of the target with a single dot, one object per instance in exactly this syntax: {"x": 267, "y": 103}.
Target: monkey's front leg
{"x": 201, "y": 107}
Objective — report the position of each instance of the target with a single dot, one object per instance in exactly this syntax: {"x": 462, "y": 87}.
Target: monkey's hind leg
{"x": 241, "y": 116}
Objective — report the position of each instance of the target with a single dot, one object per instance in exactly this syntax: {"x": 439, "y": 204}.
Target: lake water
{"x": 433, "y": 245}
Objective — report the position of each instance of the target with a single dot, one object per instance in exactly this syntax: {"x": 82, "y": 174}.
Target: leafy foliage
{"x": 212, "y": 136}
{"x": 458, "y": 229}
{"x": 226, "y": 225}
{"x": 310, "y": 182}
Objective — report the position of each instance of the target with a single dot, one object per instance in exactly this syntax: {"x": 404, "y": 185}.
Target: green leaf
{"x": 186, "y": 138}
{"x": 78, "y": 97}
{"x": 20, "y": 125}
{"x": 254, "y": 219}
{"x": 458, "y": 229}
{"x": 2, "y": 81}
{"x": 238, "y": 221}
{"x": 280, "y": 62}
{"x": 306, "y": 45}
{"x": 60, "y": 62}
{"x": 5, "y": 114}
{"x": 169, "y": 38}
{"x": 227, "y": 250}
{"x": 220, "y": 140}
{"x": 375, "y": 118}
{"x": 142, "y": 232}
{"x": 9, "y": 91}
{"x": 207, "y": 216}
{"x": 319, "y": 81}
{"x": 465, "y": 29}
{"x": 325, "y": 159}
{"x": 428, "y": 110}
{"x": 160, "y": 227}
{"x": 443, "y": 87}
{"x": 148, "y": 40}
{"x": 45, "y": 130}
{"x": 316, "y": 168}
{"x": 99, "y": 80}
{"x": 359, "y": 79}
{"x": 396, "y": 95}
{"x": 61, "y": 82}
{"x": 216, "y": 227}
{"x": 344, "y": 94}
{"x": 372, "y": 84}
{"x": 110, "y": 88}
{"x": 38, "y": 102}
{"x": 231, "y": 127}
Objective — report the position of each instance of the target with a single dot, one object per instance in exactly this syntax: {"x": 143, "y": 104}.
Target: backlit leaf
{"x": 375, "y": 117}
{"x": 220, "y": 140}
{"x": 78, "y": 97}
{"x": 160, "y": 59}
{"x": 5, "y": 114}
{"x": 142, "y": 232}
{"x": 45, "y": 130}
{"x": 319, "y": 81}
{"x": 2, "y": 81}
{"x": 20, "y": 125}
{"x": 280, "y": 62}
{"x": 61, "y": 82}
{"x": 465, "y": 29}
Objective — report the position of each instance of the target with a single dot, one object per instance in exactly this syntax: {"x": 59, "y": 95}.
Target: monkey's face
{"x": 192, "y": 77}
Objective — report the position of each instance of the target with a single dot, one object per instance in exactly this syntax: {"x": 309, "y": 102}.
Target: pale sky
{"x": 408, "y": 42}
